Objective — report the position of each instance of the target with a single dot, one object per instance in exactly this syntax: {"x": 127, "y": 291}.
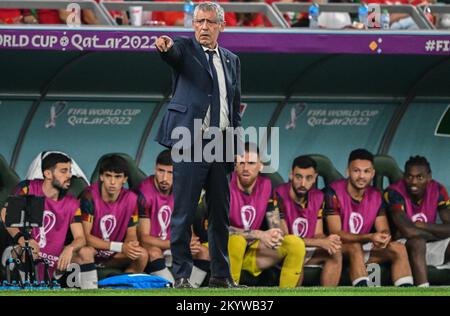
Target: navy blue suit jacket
{"x": 192, "y": 86}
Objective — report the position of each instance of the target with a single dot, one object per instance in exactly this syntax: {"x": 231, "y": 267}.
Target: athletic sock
{"x": 236, "y": 251}
{"x": 405, "y": 281}
{"x": 199, "y": 272}
{"x": 158, "y": 267}
{"x": 293, "y": 251}
{"x": 88, "y": 276}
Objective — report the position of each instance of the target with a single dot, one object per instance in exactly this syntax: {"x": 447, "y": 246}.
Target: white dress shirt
{"x": 224, "y": 121}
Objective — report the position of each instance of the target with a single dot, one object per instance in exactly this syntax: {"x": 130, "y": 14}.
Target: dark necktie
{"x": 214, "y": 114}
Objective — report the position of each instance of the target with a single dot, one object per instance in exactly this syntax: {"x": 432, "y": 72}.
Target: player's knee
{"x": 397, "y": 250}
{"x": 354, "y": 249}
{"x": 144, "y": 256}
{"x": 294, "y": 244}
{"x": 415, "y": 244}
{"x": 86, "y": 254}
{"x": 154, "y": 253}
{"x": 336, "y": 257}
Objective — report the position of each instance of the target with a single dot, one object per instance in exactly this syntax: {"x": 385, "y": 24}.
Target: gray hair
{"x": 211, "y": 6}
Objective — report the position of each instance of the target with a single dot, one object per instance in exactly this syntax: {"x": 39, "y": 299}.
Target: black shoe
{"x": 406, "y": 285}
{"x": 182, "y": 283}
{"x": 362, "y": 283}
{"x": 224, "y": 283}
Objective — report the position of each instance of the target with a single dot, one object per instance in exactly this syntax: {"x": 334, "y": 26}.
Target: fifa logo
{"x": 164, "y": 214}
{"x": 419, "y": 217}
{"x": 48, "y": 221}
{"x": 300, "y": 227}
{"x": 374, "y": 16}
{"x": 296, "y": 110}
{"x": 108, "y": 224}
{"x": 248, "y": 216}
{"x": 74, "y": 18}
{"x": 356, "y": 222}
{"x": 55, "y": 110}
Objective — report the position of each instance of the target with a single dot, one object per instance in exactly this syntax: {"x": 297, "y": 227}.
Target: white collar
{"x": 206, "y": 49}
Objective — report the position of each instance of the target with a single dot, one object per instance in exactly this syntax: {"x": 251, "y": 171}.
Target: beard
{"x": 60, "y": 186}
{"x": 165, "y": 190}
{"x": 247, "y": 182}
{"x": 298, "y": 194}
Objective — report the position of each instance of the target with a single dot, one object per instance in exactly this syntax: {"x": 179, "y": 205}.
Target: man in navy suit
{"x": 206, "y": 97}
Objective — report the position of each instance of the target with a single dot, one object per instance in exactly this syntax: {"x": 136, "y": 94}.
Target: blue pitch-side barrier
{"x": 91, "y": 91}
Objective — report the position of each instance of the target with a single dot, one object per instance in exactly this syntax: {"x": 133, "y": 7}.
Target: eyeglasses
{"x": 208, "y": 22}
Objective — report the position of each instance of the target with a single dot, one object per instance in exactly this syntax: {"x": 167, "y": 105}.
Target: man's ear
{"x": 290, "y": 175}
{"x": 47, "y": 174}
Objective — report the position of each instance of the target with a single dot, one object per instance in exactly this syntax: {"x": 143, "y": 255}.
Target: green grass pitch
{"x": 253, "y": 291}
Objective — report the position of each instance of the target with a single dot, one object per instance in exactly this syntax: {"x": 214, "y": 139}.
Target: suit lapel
{"x": 200, "y": 56}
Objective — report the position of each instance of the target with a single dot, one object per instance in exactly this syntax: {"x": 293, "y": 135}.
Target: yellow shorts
{"x": 249, "y": 263}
